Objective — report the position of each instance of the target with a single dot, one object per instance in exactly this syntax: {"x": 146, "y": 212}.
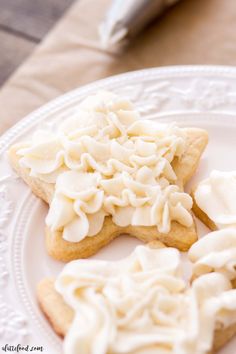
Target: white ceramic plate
{"x": 192, "y": 96}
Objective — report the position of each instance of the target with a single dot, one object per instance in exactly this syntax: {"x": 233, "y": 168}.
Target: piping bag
{"x": 126, "y": 18}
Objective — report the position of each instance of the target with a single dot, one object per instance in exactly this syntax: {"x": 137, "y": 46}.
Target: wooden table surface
{"x": 23, "y": 24}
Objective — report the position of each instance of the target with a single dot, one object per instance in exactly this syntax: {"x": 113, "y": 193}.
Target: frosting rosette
{"x": 105, "y": 160}
{"x": 215, "y": 252}
{"x": 77, "y": 205}
{"x": 142, "y": 304}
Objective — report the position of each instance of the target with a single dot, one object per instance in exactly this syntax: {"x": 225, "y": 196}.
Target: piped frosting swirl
{"x": 215, "y": 252}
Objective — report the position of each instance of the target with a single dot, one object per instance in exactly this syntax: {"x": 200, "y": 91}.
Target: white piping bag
{"x": 126, "y": 18}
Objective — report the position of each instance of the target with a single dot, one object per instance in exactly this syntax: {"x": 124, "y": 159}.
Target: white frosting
{"x": 105, "y": 160}
{"x": 216, "y": 197}
{"x": 82, "y": 200}
{"x": 215, "y": 252}
{"x": 141, "y": 304}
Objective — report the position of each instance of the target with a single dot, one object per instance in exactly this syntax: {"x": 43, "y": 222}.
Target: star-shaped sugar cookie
{"x": 105, "y": 171}
{"x": 143, "y": 304}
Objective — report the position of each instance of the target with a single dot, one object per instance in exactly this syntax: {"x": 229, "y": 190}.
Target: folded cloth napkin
{"x": 191, "y": 32}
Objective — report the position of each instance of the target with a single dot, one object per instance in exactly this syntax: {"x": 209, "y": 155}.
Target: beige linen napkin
{"x": 192, "y": 32}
